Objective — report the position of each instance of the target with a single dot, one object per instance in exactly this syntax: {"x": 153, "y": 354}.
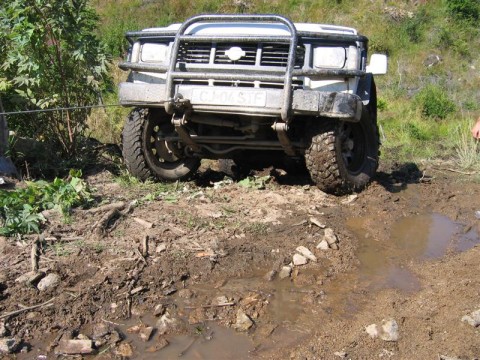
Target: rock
{"x": 432, "y": 60}
{"x": 160, "y": 248}
{"x": 302, "y": 250}
{"x": 220, "y": 300}
{"x": 146, "y": 333}
{"x": 323, "y": 245}
{"x": 329, "y": 236}
{"x": 159, "y": 310}
{"x": 169, "y": 290}
{"x": 473, "y": 319}
{"x": 317, "y": 222}
{"x": 30, "y": 277}
{"x": 135, "y": 329}
{"x": 372, "y": 330}
{"x": 341, "y": 354}
{"x": 349, "y": 199}
{"x": 389, "y": 330}
{"x": 161, "y": 343}
{"x": 334, "y": 247}
{"x": 72, "y": 347}
{"x": 243, "y": 322}
{"x": 299, "y": 260}
{"x": 3, "y": 330}
{"x": 270, "y": 275}
{"x": 8, "y": 345}
{"x": 477, "y": 214}
{"x": 186, "y": 294}
{"x": 115, "y": 337}
{"x": 166, "y": 323}
{"x": 443, "y": 357}
{"x": 285, "y": 272}
{"x": 124, "y": 350}
{"x": 100, "y": 330}
{"x": 49, "y": 281}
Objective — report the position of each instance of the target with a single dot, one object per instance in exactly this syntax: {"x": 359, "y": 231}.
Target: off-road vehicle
{"x": 257, "y": 90}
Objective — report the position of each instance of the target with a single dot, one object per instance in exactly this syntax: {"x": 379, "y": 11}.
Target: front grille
{"x": 266, "y": 54}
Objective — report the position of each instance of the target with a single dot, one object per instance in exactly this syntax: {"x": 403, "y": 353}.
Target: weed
{"x": 467, "y": 149}
{"x": 434, "y": 102}
{"x": 257, "y": 228}
{"x": 20, "y": 210}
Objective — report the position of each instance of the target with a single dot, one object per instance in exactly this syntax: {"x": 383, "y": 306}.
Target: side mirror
{"x": 378, "y": 64}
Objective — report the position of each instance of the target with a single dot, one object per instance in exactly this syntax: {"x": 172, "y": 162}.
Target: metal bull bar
{"x": 180, "y": 37}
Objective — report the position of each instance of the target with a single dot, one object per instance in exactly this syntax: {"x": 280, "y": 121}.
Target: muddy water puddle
{"x": 384, "y": 263}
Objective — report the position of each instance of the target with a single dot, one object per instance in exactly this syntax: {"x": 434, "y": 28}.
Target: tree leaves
{"x": 49, "y": 55}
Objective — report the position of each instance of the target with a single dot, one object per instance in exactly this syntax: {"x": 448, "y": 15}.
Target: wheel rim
{"x": 352, "y": 142}
{"x": 162, "y": 153}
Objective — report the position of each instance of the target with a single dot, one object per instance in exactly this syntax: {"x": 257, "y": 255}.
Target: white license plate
{"x": 232, "y": 97}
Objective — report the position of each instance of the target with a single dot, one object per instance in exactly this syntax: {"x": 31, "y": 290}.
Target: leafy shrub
{"x": 434, "y": 102}
{"x": 464, "y": 9}
{"x": 20, "y": 210}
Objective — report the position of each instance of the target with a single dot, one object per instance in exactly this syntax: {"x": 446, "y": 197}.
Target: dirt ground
{"x": 205, "y": 271}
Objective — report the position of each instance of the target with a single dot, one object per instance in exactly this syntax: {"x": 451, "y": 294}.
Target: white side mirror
{"x": 378, "y": 64}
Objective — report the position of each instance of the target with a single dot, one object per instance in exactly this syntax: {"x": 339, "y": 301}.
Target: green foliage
{"x": 464, "y": 9}
{"x": 434, "y": 102}
{"x": 20, "y": 210}
{"x": 50, "y": 57}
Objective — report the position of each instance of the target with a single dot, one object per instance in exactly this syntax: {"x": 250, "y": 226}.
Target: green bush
{"x": 434, "y": 102}
{"x": 464, "y": 9}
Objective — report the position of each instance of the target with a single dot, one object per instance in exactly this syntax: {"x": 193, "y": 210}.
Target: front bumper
{"x": 246, "y": 101}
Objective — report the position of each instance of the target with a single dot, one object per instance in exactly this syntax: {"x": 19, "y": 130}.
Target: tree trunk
{"x": 6, "y": 165}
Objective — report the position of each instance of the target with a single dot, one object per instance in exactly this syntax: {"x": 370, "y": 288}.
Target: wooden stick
{"x": 113, "y": 206}
{"x": 209, "y": 306}
{"x": 46, "y": 303}
{"x": 145, "y": 245}
{"x": 144, "y": 223}
{"x": 34, "y": 254}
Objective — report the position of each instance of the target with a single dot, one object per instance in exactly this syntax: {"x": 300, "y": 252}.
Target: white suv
{"x": 257, "y": 90}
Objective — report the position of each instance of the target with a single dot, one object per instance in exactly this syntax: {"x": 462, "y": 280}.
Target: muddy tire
{"x": 343, "y": 156}
{"x": 146, "y": 155}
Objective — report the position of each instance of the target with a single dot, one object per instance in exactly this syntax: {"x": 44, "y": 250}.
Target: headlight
{"x": 154, "y": 52}
{"x": 329, "y": 57}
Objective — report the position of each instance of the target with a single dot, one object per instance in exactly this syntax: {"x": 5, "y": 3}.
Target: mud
{"x": 408, "y": 250}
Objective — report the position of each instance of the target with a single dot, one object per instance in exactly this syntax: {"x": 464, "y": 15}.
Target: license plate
{"x": 232, "y": 97}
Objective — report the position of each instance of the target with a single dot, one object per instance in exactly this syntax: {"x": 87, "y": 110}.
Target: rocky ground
{"x": 268, "y": 268}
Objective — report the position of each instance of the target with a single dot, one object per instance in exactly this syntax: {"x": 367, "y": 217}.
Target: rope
{"x": 57, "y": 109}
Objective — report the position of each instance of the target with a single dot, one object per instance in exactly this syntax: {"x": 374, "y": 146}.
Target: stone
{"x": 334, "y": 247}
{"x": 299, "y": 260}
{"x": 389, "y": 330}
{"x": 329, "y": 236}
{"x": 349, "y": 199}
{"x": 270, "y": 275}
{"x": 302, "y": 250}
{"x": 243, "y": 322}
{"x": 169, "y": 290}
{"x": 372, "y": 330}
{"x": 30, "y": 277}
{"x": 221, "y": 300}
{"x": 341, "y": 354}
{"x": 124, "y": 350}
{"x": 159, "y": 310}
{"x": 3, "y": 330}
{"x": 49, "y": 281}
{"x": 161, "y": 343}
{"x": 186, "y": 294}
{"x": 72, "y": 347}
{"x": 285, "y": 272}
{"x": 473, "y": 319}
{"x": 160, "y": 248}
{"x": 146, "y": 333}
{"x": 166, "y": 323}
{"x": 323, "y": 245}
{"x": 100, "y": 330}
{"x": 477, "y": 214}
{"x": 8, "y": 345}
